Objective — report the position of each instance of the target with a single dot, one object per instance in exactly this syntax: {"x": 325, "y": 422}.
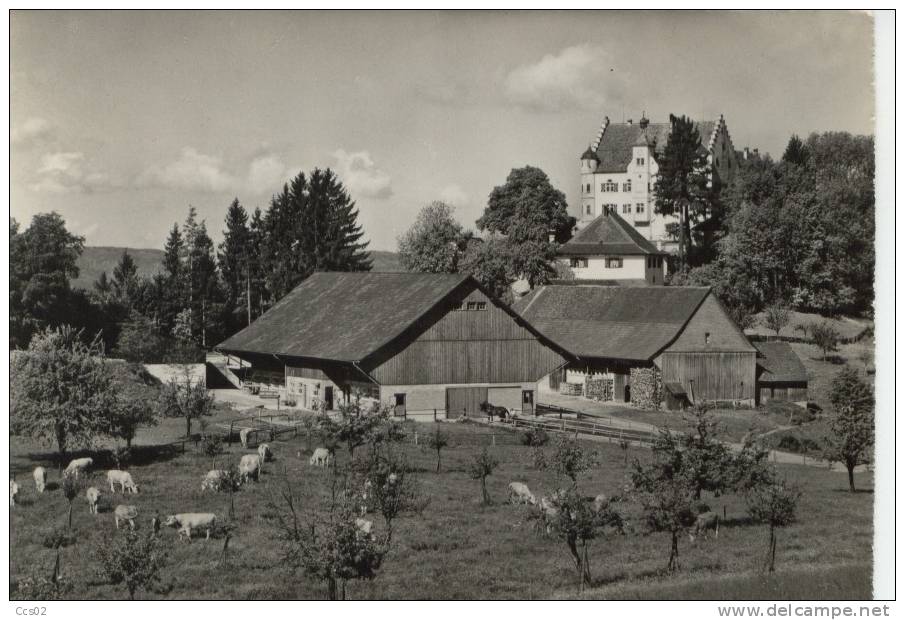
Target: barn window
{"x": 578, "y": 262}
{"x": 481, "y": 305}
{"x": 400, "y": 400}
{"x": 614, "y": 262}
{"x": 706, "y": 337}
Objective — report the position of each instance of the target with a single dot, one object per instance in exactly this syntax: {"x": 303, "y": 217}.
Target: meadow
{"x": 456, "y": 549}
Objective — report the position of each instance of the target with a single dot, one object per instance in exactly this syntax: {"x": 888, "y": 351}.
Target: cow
{"x": 250, "y": 467}
{"x": 92, "y": 494}
{"x": 77, "y": 467}
{"x": 243, "y": 436}
{"x": 188, "y": 520}
{"x": 40, "y": 476}
{"x": 492, "y": 410}
{"x": 265, "y": 453}
{"x": 124, "y": 479}
{"x": 13, "y": 492}
{"x": 706, "y": 521}
{"x": 600, "y": 502}
{"x": 124, "y": 512}
{"x": 364, "y": 528}
{"x": 520, "y": 494}
{"x": 320, "y": 457}
{"x": 213, "y": 480}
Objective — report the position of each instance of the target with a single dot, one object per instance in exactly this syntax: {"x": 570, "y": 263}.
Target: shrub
{"x": 535, "y": 438}
{"x": 35, "y": 587}
{"x": 132, "y": 559}
{"x": 481, "y": 468}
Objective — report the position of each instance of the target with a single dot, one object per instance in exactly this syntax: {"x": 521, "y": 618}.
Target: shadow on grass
{"x": 856, "y": 492}
{"x": 103, "y": 459}
{"x": 835, "y": 360}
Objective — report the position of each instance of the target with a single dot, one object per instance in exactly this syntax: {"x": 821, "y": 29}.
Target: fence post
{"x": 230, "y": 440}
{"x": 435, "y": 415}
{"x": 493, "y": 440}
{"x": 416, "y": 438}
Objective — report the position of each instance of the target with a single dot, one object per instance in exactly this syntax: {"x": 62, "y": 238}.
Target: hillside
{"x": 94, "y": 260}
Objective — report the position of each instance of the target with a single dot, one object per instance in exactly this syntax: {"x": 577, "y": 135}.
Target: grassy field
{"x": 458, "y": 549}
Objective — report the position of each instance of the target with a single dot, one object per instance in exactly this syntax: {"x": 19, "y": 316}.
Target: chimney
{"x": 629, "y": 121}
{"x": 746, "y": 153}
{"x": 644, "y": 121}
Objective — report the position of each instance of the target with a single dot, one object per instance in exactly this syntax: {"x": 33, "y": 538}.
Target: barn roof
{"x": 608, "y": 234}
{"x": 343, "y": 316}
{"x": 614, "y": 151}
{"x": 779, "y": 363}
{"x": 629, "y": 323}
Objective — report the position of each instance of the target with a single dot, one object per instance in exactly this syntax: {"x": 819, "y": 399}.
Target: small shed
{"x": 780, "y": 374}
{"x": 676, "y": 396}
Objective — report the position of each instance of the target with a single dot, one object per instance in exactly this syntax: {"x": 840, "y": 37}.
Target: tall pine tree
{"x": 234, "y": 258}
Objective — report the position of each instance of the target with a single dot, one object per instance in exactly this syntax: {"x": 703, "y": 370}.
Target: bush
{"x": 35, "y": 587}
{"x": 535, "y": 438}
{"x": 131, "y": 558}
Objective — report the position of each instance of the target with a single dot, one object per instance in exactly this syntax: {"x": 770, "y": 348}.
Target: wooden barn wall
{"x": 789, "y": 394}
{"x": 339, "y": 374}
{"x": 719, "y": 375}
{"x": 710, "y": 318}
{"x": 467, "y": 346}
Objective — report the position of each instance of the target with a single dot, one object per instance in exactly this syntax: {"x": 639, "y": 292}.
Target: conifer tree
{"x": 233, "y": 259}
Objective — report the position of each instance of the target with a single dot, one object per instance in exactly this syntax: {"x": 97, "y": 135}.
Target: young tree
{"x": 355, "y": 427}
{"x": 71, "y": 486}
{"x": 230, "y": 483}
{"x": 131, "y": 409}
{"x": 704, "y": 459}
{"x": 435, "y": 242}
{"x": 576, "y": 521}
{"x": 773, "y": 504}
{"x": 852, "y": 425}
{"x": 186, "y": 399}
{"x": 682, "y": 182}
{"x": 568, "y": 460}
{"x": 481, "y": 468}
{"x": 60, "y": 389}
{"x": 125, "y": 279}
{"x": 392, "y": 490}
{"x": 132, "y": 559}
{"x": 777, "y": 316}
{"x": 437, "y": 441}
{"x": 825, "y": 337}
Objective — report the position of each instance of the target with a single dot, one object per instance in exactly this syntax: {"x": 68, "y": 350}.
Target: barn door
{"x": 527, "y": 402}
{"x": 464, "y": 401}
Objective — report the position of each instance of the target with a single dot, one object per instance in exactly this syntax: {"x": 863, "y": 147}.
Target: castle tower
{"x": 589, "y": 163}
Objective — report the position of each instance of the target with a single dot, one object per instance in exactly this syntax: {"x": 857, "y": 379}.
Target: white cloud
{"x": 266, "y": 174}
{"x": 454, "y": 195}
{"x": 361, "y": 176}
{"x": 192, "y": 171}
{"x": 33, "y": 131}
{"x": 68, "y": 171}
{"x": 581, "y": 76}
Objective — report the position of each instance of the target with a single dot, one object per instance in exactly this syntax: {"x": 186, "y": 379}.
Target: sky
{"x": 120, "y": 121}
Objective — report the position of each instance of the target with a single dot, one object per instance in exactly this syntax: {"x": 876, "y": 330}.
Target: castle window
{"x": 627, "y": 186}
{"x": 627, "y": 208}
{"x": 640, "y": 161}
{"x": 587, "y": 209}
{"x": 639, "y": 208}
{"x": 614, "y": 262}
{"x": 578, "y": 262}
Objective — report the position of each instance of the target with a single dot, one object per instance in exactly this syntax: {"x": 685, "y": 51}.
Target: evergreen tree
{"x": 796, "y": 152}
{"x": 255, "y": 292}
{"x": 172, "y": 254}
{"x": 682, "y": 182}
{"x": 125, "y": 278}
{"x": 234, "y": 258}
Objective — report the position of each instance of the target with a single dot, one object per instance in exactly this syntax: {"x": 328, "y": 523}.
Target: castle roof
{"x": 589, "y": 154}
{"x": 608, "y": 234}
{"x": 614, "y": 149}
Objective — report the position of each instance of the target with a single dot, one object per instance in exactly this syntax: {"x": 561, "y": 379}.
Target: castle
{"x": 619, "y": 169}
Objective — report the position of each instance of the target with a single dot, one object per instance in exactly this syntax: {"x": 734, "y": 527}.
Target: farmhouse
{"x": 423, "y": 343}
{"x": 780, "y": 374}
{"x": 683, "y": 332}
{"x": 609, "y": 248}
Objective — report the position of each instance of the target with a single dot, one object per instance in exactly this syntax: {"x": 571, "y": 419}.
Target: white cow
{"x": 124, "y": 512}
{"x": 243, "y": 436}
{"x": 364, "y": 527}
{"x": 13, "y": 492}
{"x": 124, "y": 479}
{"x": 320, "y": 457}
{"x": 77, "y": 467}
{"x": 706, "y": 521}
{"x": 265, "y": 453}
{"x": 520, "y": 494}
{"x": 250, "y": 467}
{"x": 188, "y": 520}
{"x": 40, "y": 476}
{"x": 92, "y": 495}
{"x": 600, "y": 502}
{"x": 212, "y": 480}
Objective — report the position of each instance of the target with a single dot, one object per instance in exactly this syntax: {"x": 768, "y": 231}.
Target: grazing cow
{"x": 13, "y": 492}
{"x": 320, "y": 457}
{"x": 124, "y": 479}
{"x": 492, "y": 410}
{"x": 243, "y": 436}
{"x": 706, "y": 521}
{"x": 600, "y": 502}
{"x": 520, "y": 494}
{"x": 265, "y": 453}
{"x": 40, "y": 476}
{"x": 212, "y": 480}
{"x": 77, "y": 467}
{"x": 364, "y": 527}
{"x": 124, "y": 512}
{"x": 188, "y": 520}
{"x": 92, "y": 495}
{"x": 250, "y": 467}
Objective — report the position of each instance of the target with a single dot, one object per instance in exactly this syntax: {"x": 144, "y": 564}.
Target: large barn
{"x": 423, "y": 343}
{"x": 685, "y": 332}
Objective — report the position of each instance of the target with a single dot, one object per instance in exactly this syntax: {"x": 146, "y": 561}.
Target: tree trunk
{"x": 771, "y": 559}
{"x": 673, "y": 564}
{"x": 586, "y": 574}
{"x": 686, "y": 233}
{"x": 438, "y": 461}
{"x": 851, "y": 476}
{"x": 128, "y": 443}
{"x": 332, "y": 593}
{"x": 70, "y": 515}
{"x": 248, "y": 295}
{"x": 188, "y": 427}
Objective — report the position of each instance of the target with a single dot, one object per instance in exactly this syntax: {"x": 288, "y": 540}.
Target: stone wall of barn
{"x": 454, "y": 400}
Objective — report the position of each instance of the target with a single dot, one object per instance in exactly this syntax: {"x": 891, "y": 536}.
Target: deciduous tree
{"x": 852, "y": 424}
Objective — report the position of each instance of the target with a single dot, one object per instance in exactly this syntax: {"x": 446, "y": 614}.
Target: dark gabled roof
{"x": 779, "y": 363}
{"x": 342, "y": 316}
{"x": 589, "y": 154}
{"x": 674, "y": 388}
{"x": 626, "y": 323}
{"x": 608, "y": 234}
{"x": 614, "y": 151}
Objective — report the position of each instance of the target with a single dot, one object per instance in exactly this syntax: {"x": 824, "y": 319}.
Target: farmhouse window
{"x": 706, "y": 337}
{"x": 614, "y": 262}
{"x": 578, "y": 262}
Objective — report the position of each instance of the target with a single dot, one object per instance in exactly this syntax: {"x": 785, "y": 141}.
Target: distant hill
{"x": 94, "y": 260}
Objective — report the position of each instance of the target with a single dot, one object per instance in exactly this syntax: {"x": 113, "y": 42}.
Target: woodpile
{"x": 647, "y": 388}
{"x": 599, "y": 388}
{"x": 570, "y": 389}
